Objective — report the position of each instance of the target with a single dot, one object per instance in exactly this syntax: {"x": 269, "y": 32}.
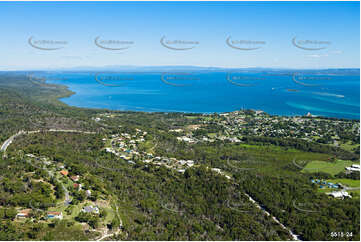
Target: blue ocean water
{"x": 330, "y": 95}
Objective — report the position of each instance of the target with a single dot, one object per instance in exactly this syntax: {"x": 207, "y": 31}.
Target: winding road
{"x": 7, "y": 142}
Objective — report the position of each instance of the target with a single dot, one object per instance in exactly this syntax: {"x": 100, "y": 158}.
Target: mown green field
{"x": 346, "y": 182}
{"x": 332, "y": 168}
{"x": 273, "y": 160}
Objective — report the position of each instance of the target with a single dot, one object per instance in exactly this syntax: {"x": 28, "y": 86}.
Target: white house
{"x": 90, "y": 209}
{"x": 339, "y": 194}
{"x": 58, "y": 215}
{"x": 216, "y": 170}
{"x": 354, "y": 167}
{"x": 88, "y": 193}
{"x": 24, "y": 213}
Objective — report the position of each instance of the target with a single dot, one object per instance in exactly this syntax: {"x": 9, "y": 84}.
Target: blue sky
{"x": 273, "y": 24}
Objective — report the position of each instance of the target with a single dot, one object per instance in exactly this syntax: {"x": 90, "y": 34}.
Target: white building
{"x": 354, "y": 167}
{"x": 339, "y": 194}
{"x": 88, "y": 192}
{"x": 90, "y": 209}
{"x": 57, "y": 215}
{"x": 216, "y": 170}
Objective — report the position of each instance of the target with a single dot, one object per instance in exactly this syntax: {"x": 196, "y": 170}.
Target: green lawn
{"x": 347, "y": 182}
{"x": 326, "y": 190}
{"x": 211, "y": 135}
{"x": 273, "y": 160}
{"x": 108, "y": 143}
{"x": 147, "y": 146}
{"x": 110, "y": 215}
{"x": 332, "y": 168}
{"x": 191, "y": 117}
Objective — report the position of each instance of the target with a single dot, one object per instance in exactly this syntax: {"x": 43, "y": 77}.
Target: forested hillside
{"x": 164, "y": 176}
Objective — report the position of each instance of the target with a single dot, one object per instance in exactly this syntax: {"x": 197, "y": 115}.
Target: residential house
{"x": 75, "y": 178}
{"x": 339, "y": 194}
{"x": 354, "y": 167}
{"x": 25, "y": 213}
{"x": 64, "y": 172}
{"x": 77, "y": 186}
{"x": 57, "y": 215}
{"x": 88, "y": 193}
{"x": 90, "y": 209}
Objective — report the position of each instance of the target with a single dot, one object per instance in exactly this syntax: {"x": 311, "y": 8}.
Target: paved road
{"x": 67, "y": 197}
{"x": 105, "y": 235}
{"x": 67, "y": 200}
{"x": 7, "y": 142}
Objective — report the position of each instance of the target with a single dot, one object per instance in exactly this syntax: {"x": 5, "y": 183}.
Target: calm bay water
{"x": 331, "y": 95}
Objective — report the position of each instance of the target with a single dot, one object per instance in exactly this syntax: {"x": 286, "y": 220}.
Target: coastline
{"x": 68, "y": 93}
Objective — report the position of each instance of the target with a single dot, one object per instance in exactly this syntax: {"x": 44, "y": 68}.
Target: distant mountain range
{"x": 115, "y": 68}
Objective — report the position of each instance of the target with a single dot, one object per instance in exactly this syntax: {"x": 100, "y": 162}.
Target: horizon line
{"x": 168, "y": 66}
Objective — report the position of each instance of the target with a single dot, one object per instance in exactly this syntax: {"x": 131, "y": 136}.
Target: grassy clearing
{"x": 191, "y": 117}
{"x": 346, "y": 182}
{"x": 110, "y": 215}
{"x": 331, "y": 168}
{"x": 211, "y": 135}
{"x": 108, "y": 143}
{"x": 274, "y": 160}
{"x": 147, "y": 146}
{"x": 326, "y": 190}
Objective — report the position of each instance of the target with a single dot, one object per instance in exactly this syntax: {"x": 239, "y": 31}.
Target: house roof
{"x": 54, "y": 213}
{"x": 64, "y": 172}
{"x": 28, "y": 210}
{"x": 24, "y": 212}
{"x": 74, "y": 178}
{"x": 89, "y": 209}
